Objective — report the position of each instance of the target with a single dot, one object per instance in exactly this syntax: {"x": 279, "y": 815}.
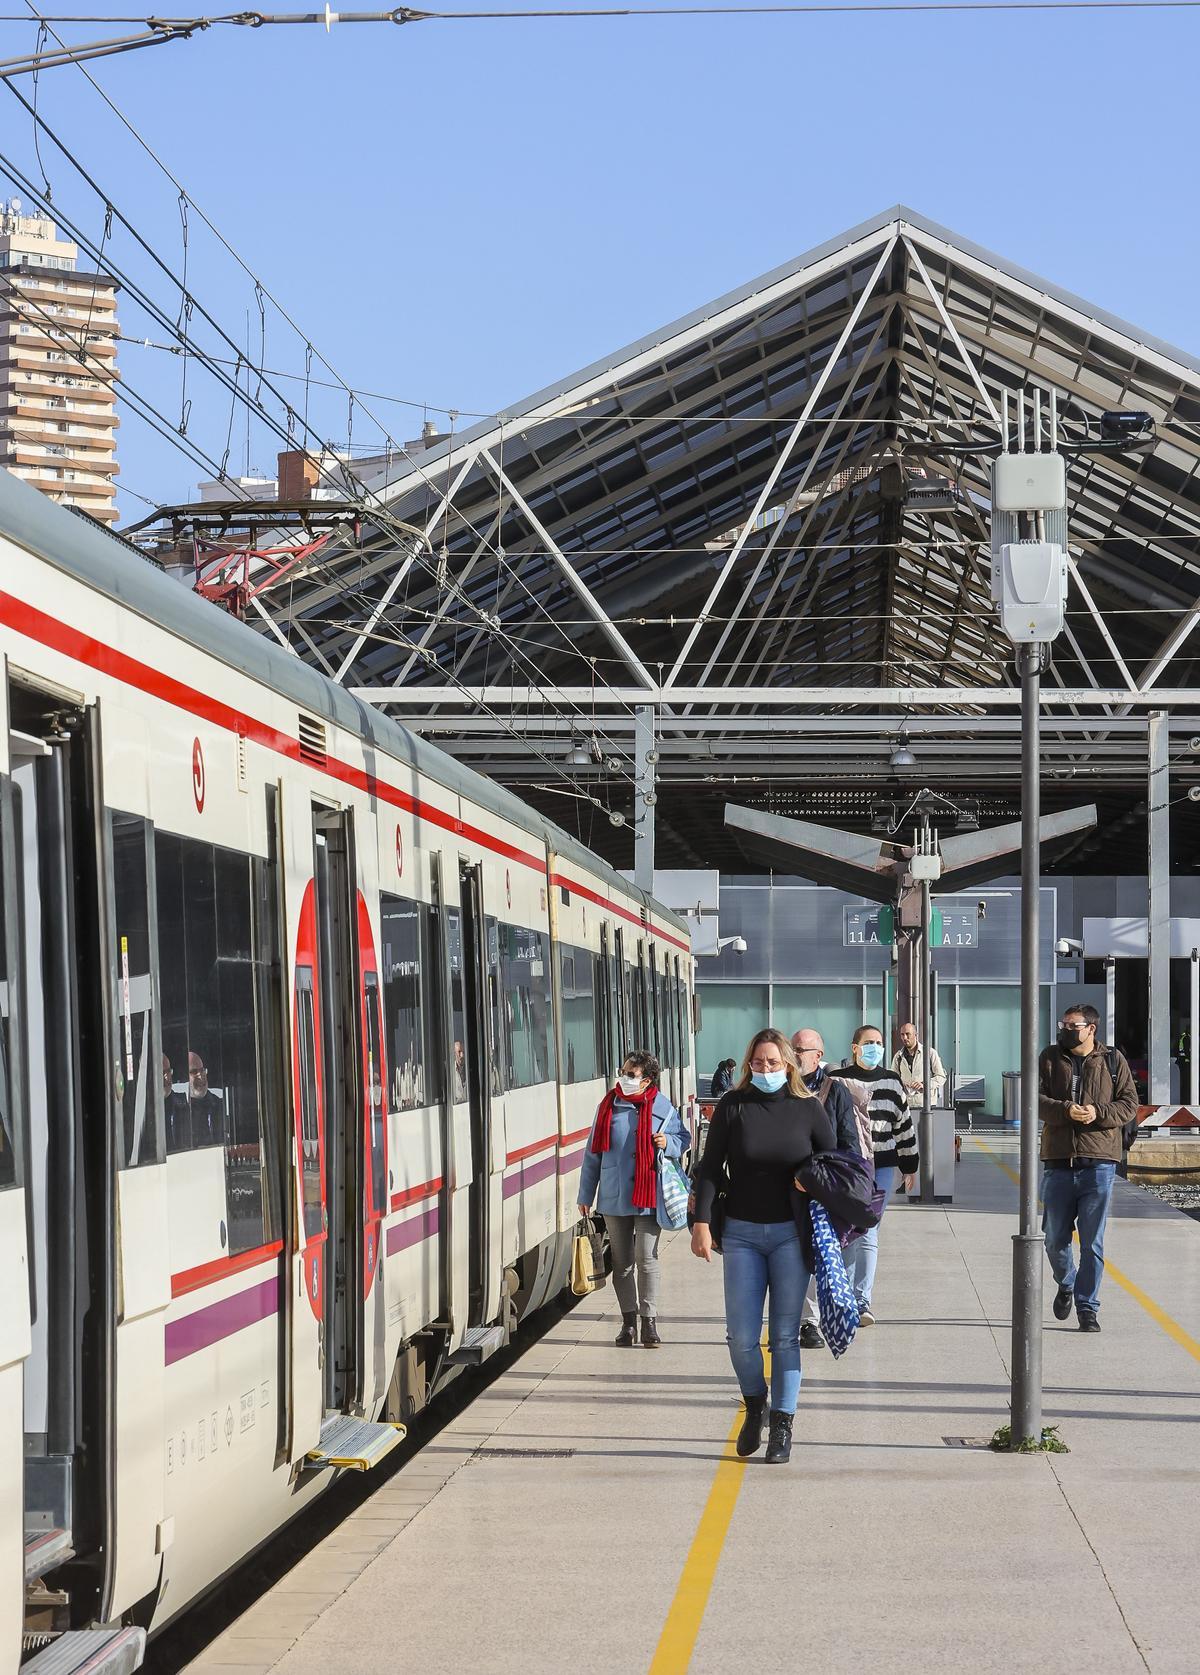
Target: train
{"x": 303, "y": 1028}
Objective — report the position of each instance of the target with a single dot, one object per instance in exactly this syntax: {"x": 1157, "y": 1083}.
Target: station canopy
{"x": 768, "y": 524}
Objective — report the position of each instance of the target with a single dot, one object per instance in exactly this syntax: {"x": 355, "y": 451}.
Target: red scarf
{"x": 645, "y": 1186}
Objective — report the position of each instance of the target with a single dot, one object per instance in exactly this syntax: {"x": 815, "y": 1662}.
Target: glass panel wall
{"x": 732, "y": 1013}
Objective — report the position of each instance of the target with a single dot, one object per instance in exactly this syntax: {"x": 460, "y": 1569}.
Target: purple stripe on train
{"x": 411, "y": 1232}
{"x": 220, "y": 1320}
{"x": 529, "y": 1174}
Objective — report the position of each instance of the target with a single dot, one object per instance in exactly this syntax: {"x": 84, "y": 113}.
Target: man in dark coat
{"x": 1087, "y": 1095}
{"x": 809, "y": 1049}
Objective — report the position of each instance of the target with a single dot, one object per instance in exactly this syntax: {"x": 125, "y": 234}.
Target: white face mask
{"x": 631, "y": 1085}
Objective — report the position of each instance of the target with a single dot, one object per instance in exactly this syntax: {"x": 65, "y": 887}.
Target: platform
{"x": 586, "y": 1511}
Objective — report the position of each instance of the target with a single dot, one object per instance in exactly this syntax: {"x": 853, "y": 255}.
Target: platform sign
{"x": 860, "y": 927}
{"x": 952, "y": 927}
{"x": 960, "y": 927}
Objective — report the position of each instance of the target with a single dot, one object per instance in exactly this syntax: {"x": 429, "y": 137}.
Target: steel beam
{"x": 1158, "y": 926}
{"x": 773, "y": 697}
{"x": 578, "y": 586}
{"x": 785, "y": 453}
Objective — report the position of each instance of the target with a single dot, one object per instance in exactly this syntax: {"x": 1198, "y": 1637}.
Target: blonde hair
{"x": 776, "y": 1039}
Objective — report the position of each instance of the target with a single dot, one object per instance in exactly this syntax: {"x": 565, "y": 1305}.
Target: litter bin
{"x": 1011, "y": 1108}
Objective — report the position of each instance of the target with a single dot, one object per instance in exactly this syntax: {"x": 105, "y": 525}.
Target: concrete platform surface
{"x": 586, "y": 1513}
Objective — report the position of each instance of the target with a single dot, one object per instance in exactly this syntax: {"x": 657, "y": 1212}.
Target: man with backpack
{"x": 1087, "y": 1103}
{"x": 809, "y": 1049}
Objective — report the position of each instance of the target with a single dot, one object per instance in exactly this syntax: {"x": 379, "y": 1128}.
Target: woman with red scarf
{"x": 635, "y": 1125}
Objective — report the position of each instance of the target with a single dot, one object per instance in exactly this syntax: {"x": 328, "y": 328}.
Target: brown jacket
{"x": 1098, "y": 1141}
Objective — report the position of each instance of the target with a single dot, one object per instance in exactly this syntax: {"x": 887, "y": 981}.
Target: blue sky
{"x": 463, "y": 212}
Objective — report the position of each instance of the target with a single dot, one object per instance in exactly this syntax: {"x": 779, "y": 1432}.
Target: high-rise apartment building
{"x": 58, "y": 332}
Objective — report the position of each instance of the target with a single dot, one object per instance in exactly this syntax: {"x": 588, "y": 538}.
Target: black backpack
{"x": 1129, "y": 1130}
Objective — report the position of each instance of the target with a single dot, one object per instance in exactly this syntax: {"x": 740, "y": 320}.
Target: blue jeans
{"x": 862, "y": 1256}
{"x": 1077, "y": 1198}
{"x": 761, "y": 1258}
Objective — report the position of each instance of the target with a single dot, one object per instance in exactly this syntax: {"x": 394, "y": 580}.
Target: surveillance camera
{"x": 1068, "y": 946}
{"x": 981, "y": 910}
{"x": 738, "y": 944}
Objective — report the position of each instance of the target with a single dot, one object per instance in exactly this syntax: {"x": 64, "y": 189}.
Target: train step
{"x": 354, "y": 1444}
{"x": 44, "y": 1549}
{"x": 90, "y": 1651}
{"x": 478, "y": 1343}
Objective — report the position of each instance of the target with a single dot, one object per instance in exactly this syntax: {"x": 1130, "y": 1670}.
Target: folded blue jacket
{"x": 844, "y": 1184}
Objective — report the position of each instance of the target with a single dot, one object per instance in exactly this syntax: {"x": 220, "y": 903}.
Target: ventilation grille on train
{"x": 312, "y": 741}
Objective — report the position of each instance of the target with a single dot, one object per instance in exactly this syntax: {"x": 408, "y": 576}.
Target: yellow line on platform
{"x": 678, "y": 1638}
{"x": 677, "y": 1641}
{"x": 1159, "y": 1315}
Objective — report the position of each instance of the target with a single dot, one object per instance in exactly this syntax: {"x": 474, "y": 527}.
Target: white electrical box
{"x": 925, "y": 866}
{"x": 1029, "y": 483}
{"x": 1029, "y": 583}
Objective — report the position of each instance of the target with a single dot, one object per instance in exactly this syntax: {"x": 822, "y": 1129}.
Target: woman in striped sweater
{"x": 886, "y": 1130}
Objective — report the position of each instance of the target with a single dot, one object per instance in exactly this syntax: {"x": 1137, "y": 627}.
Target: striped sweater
{"x": 882, "y": 1111}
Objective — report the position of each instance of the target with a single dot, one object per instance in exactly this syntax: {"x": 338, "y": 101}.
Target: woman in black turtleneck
{"x": 760, "y": 1133}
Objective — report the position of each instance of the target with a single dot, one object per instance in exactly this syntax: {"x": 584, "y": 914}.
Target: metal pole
{"x": 926, "y": 1126}
{"x": 644, "y": 779}
{"x": 1026, "y": 1401}
{"x": 1159, "y": 919}
{"x": 1194, "y": 1033}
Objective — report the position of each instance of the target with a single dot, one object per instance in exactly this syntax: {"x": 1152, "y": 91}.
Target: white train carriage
{"x": 303, "y": 1029}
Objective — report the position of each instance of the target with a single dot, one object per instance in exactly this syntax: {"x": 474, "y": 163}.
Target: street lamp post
{"x": 1029, "y": 585}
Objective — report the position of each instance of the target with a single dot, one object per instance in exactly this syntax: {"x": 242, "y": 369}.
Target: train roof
{"x": 95, "y": 556}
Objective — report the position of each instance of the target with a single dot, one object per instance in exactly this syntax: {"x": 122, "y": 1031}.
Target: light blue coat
{"x": 612, "y": 1170}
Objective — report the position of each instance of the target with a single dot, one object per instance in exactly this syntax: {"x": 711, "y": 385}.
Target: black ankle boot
{"x": 779, "y": 1443}
{"x": 650, "y": 1337}
{"x": 750, "y": 1436}
{"x": 627, "y": 1337}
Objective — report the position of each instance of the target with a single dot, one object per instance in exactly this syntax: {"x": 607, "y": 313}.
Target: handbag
{"x": 674, "y": 1192}
{"x": 587, "y": 1260}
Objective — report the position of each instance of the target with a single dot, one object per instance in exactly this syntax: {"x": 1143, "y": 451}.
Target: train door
{"x": 71, "y": 1084}
{"x": 621, "y": 974}
{"x": 375, "y": 1154}
{"x": 15, "y": 1300}
{"x": 458, "y": 1168}
{"x": 487, "y": 1175}
{"x": 337, "y": 983}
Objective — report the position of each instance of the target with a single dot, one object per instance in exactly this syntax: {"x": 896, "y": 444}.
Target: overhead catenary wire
{"x": 261, "y": 291}
{"x": 179, "y": 328}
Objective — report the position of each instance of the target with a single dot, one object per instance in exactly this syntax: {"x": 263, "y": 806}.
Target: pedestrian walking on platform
{"x": 760, "y": 1134}
{"x": 809, "y": 1048}
{"x": 1087, "y": 1095}
{"x": 886, "y": 1130}
{"x": 634, "y": 1126}
{"x": 909, "y": 1065}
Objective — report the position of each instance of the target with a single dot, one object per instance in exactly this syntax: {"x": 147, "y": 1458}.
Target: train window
{"x": 375, "y": 1095}
{"x": 579, "y": 1036}
{"x": 219, "y": 964}
{"x": 501, "y": 1079}
{"x": 140, "y": 1086}
{"x": 310, "y": 1132}
{"x": 458, "y": 1013}
{"x": 525, "y": 979}
{"x": 402, "y": 998}
{"x": 600, "y": 1018}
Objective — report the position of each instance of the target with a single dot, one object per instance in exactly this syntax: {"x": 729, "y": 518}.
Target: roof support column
{"x": 1158, "y": 920}
{"x": 645, "y": 758}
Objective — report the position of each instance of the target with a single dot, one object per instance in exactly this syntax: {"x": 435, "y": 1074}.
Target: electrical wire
{"x": 179, "y": 328}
